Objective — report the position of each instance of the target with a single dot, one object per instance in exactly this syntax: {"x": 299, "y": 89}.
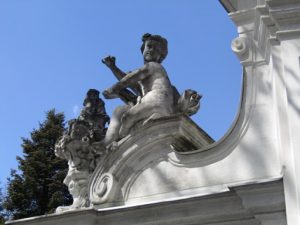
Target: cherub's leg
{"x": 154, "y": 116}
{"x": 139, "y": 112}
{"x": 112, "y": 133}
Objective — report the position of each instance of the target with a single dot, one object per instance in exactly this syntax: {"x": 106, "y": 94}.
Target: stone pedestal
{"x": 138, "y": 170}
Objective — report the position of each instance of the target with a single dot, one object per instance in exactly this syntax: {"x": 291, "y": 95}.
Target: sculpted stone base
{"x": 77, "y": 182}
{"x": 129, "y": 171}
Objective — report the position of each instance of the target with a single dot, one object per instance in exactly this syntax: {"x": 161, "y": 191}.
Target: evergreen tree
{"x": 37, "y": 188}
{"x": 2, "y": 214}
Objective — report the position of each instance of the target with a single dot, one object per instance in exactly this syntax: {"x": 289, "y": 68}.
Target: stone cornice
{"x": 265, "y": 25}
{"x": 243, "y": 205}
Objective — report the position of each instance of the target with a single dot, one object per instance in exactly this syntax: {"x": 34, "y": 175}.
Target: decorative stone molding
{"x": 105, "y": 189}
{"x": 227, "y": 208}
{"x": 266, "y": 22}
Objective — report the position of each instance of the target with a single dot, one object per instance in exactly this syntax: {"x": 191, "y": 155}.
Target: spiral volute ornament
{"x": 104, "y": 190}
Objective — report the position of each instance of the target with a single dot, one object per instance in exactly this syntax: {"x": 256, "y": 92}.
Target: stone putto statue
{"x": 152, "y": 95}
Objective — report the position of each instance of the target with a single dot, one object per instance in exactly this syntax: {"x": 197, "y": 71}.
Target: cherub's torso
{"x": 156, "y": 81}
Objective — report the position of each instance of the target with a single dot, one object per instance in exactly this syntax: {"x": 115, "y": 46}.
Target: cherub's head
{"x": 154, "y": 48}
{"x": 92, "y": 94}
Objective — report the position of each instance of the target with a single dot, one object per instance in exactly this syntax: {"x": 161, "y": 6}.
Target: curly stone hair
{"x": 162, "y": 41}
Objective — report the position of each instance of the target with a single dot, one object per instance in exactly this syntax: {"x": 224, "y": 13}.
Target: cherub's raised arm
{"x": 110, "y": 62}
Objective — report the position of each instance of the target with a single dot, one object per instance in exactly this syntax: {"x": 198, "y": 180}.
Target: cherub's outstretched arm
{"x": 130, "y": 79}
{"x": 110, "y": 62}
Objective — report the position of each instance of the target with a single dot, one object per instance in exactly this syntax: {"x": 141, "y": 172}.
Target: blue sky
{"x": 50, "y": 54}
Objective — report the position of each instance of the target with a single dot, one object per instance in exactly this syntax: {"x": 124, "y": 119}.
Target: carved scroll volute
{"x": 105, "y": 189}
{"x": 242, "y": 47}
